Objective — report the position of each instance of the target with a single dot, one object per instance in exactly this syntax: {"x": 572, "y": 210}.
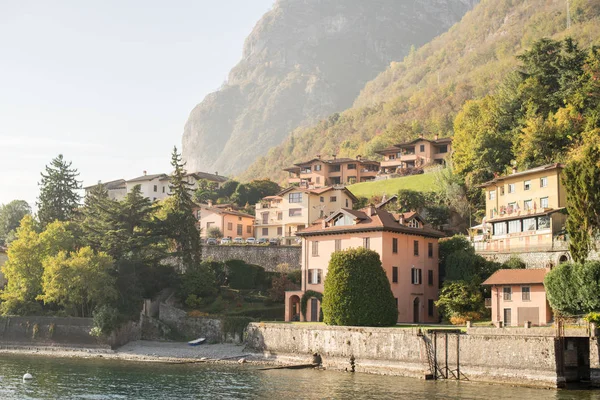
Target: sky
{"x": 109, "y": 84}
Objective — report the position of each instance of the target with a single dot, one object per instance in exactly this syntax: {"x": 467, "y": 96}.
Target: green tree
{"x": 214, "y": 232}
{"x": 410, "y": 200}
{"x": 468, "y": 266}
{"x": 180, "y": 222}
{"x": 357, "y": 291}
{"x": 460, "y": 299}
{"x": 582, "y": 186}
{"x": 58, "y": 198}
{"x": 228, "y": 188}
{"x": 11, "y": 215}
{"x": 199, "y": 281}
{"x": 562, "y": 290}
{"x": 79, "y": 281}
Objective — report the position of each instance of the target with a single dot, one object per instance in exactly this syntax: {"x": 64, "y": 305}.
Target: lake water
{"x": 58, "y": 378}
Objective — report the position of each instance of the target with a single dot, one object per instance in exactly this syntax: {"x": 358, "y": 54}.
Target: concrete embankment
{"x": 512, "y": 355}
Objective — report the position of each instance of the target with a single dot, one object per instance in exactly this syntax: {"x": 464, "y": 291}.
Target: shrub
{"x": 593, "y": 318}
{"x": 214, "y": 232}
{"x": 295, "y": 277}
{"x": 106, "y": 320}
{"x": 279, "y": 285}
{"x": 193, "y": 301}
{"x": 462, "y": 319}
{"x": 357, "y": 291}
{"x": 574, "y": 288}
{"x": 460, "y": 300}
{"x": 464, "y": 265}
{"x": 244, "y": 276}
{"x": 235, "y": 325}
{"x": 514, "y": 262}
{"x": 198, "y": 280}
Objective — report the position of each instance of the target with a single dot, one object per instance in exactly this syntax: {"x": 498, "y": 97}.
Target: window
{"x": 526, "y": 185}
{"x": 430, "y": 308}
{"x": 333, "y": 199}
{"x": 295, "y": 212}
{"x": 413, "y": 223}
{"x": 314, "y": 276}
{"x": 443, "y": 149}
{"x": 430, "y": 277}
{"x": 367, "y": 243}
{"x": 507, "y": 293}
{"x": 391, "y": 157}
{"x": 511, "y": 188}
{"x": 544, "y": 202}
{"x": 514, "y": 226}
{"x": 500, "y": 228}
{"x": 334, "y": 168}
{"x": 295, "y": 198}
{"x": 492, "y": 194}
{"x": 347, "y": 203}
{"x": 163, "y": 189}
{"x": 422, "y": 148}
{"x": 279, "y": 231}
{"x": 415, "y": 276}
{"x": 525, "y": 293}
{"x": 318, "y": 167}
{"x": 315, "y": 248}
{"x": 265, "y": 231}
{"x": 544, "y": 181}
{"x": 338, "y": 244}
{"x": 279, "y": 216}
{"x": 416, "y": 247}
{"x": 155, "y": 188}
{"x": 430, "y": 250}
{"x": 544, "y": 222}
{"x": 394, "y": 274}
{"x": 318, "y": 179}
{"x": 322, "y": 199}
{"x": 240, "y": 229}
{"x": 501, "y": 190}
{"x": 230, "y": 226}
{"x": 351, "y": 166}
{"x": 529, "y": 224}
{"x": 395, "y": 245}
{"x": 265, "y": 217}
{"x": 512, "y": 207}
{"x": 249, "y": 229}
{"x": 527, "y": 205}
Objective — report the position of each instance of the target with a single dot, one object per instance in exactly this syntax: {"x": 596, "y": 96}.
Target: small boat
{"x": 197, "y": 342}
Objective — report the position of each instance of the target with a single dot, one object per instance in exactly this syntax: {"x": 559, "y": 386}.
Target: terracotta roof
{"x": 516, "y": 276}
{"x": 378, "y": 220}
{"x": 335, "y": 161}
{"x": 387, "y": 150}
{"x": 434, "y": 141}
{"x": 217, "y": 210}
{"x": 547, "y": 167}
{"x": 316, "y": 191}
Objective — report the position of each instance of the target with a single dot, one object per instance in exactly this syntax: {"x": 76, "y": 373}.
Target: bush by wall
{"x": 357, "y": 291}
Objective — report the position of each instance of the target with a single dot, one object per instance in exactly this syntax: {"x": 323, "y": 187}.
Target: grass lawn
{"x": 421, "y": 183}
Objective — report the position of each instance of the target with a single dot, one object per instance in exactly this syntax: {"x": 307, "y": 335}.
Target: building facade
{"x": 414, "y": 154}
{"x": 525, "y": 211}
{"x": 295, "y": 208}
{"x": 320, "y": 172}
{"x": 519, "y": 296}
{"x": 230, "y": 222}
{"x": 408, "y": 250}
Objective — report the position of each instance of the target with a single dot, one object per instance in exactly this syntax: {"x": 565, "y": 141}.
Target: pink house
{"x": 518, "y": 295}
{"x": 409, "y": 256}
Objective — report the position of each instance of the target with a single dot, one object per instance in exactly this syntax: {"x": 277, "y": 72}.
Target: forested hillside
{"x": 424, "y": 92}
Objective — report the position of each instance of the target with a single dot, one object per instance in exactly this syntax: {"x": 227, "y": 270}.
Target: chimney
{"x": 334, "y": 155}
{"x": 359, "y": 157}
{"x": 421, "y": 135}
{"x": 436, "y": 137}
{"x": 319, "y": 156}
{"x": 217, "y": 173}
{"x": 370, "y": 211}
{"x": 145, "y": 173}
{"x": 209, "y": 202}
{"x": 401, "y": 219}
{"x": 99, "y": 182}
{"x": 514, "y": 169}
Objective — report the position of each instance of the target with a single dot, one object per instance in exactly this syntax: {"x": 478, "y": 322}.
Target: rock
{"x": 241, "y": 361}
{"x": 303, "y": 62}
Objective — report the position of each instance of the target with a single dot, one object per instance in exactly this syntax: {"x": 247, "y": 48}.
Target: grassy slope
{"x": 426, "y": 90}
{"x": 421, "y": 183}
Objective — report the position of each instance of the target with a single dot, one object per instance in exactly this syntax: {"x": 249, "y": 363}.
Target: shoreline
{"x": 148, "y": 351}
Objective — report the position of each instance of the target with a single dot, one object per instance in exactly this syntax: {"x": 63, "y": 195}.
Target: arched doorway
{"x": 563, "y": 259}
{"x": 294, "y": 308}
{"x": 416, "y": 309}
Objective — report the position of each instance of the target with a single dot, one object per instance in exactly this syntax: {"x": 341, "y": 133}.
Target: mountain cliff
{"x": 304, "y": 60}
{"x": 423, "y": 93}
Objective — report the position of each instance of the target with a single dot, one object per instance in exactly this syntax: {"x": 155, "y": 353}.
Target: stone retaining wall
{"x": 519, "y": 358}
{"x": 536, "y": 259}
{"x": 267, "y": 257}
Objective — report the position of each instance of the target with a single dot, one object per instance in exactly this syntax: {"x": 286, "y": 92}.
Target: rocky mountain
{"x": 304, "y": 60}
{"x": 423, "y": 93}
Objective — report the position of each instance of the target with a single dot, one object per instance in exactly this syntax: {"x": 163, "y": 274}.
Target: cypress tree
{"x": 58, "y": 198}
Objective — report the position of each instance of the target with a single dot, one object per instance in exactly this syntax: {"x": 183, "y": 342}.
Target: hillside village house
{"x": 518, "y": 295}
{"x": 295, "y": 208}
{"x": 155, "y": 186}
{"x": 415, "y": 154}
{"x": 320, "y": 172}
{"x": 525, "y": 211}
{"x": 231, "y": 222}
{"x": 409, "y": 254}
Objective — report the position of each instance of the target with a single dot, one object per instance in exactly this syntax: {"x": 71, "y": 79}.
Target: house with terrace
{"x": 282, "y": 216}
{"x": 321, "y": 172}
{"x": 405, "y": 157}
{"x": 408, "y": 250}
{"x": 231, "y": 222}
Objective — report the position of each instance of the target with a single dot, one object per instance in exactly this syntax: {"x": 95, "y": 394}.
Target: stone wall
{"x": 48, "y": 331}
{"x": 267, "y": 257}
{"x": 514, "y": 357}
{"x": 536, "y": 259}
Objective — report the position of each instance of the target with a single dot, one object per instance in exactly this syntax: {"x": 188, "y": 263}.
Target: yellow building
{"x": 295, "y": 208}
{"x": 525, "y": 211}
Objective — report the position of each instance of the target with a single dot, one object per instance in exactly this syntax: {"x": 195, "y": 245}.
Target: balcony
{"x": 488, "y": 303}
{"x": 390, "y": 163}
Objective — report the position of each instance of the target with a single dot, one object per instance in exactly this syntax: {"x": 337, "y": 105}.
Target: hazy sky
{"x": 109, "y": 84}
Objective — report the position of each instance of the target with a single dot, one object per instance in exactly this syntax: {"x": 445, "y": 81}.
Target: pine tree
{"x": 180, "y": 222}
{"x": 58, "y": 198}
